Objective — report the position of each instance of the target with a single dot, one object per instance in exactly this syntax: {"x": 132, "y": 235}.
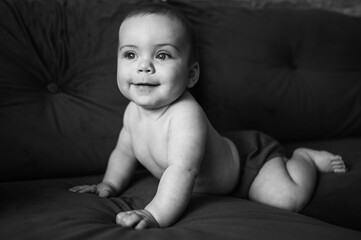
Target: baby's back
{"x": 220, "y": 167}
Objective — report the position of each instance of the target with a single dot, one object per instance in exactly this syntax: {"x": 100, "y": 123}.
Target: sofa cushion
{"x": 50, "y": 211}
{"x": 292, "y": 73}
{"x": 61, "y": 110}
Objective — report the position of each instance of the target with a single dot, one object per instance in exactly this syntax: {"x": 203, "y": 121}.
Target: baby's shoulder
{"x": 186, "y": 111}
{"x": 187, "y": 105}
{"x": 129, "y": 114}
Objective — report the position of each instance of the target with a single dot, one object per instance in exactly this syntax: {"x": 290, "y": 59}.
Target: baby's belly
{"x": 223, "y": 175}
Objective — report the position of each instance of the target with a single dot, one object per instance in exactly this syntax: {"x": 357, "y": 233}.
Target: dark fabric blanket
{"x": 45, "y": 209}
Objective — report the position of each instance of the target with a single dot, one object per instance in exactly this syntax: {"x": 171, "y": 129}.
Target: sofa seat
{"x": 45, "y": 209}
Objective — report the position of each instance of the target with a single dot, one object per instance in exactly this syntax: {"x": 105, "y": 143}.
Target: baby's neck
{"x": 152, "y": 113}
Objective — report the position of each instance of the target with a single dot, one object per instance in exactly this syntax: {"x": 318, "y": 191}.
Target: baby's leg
{"x": 290, "y": 184}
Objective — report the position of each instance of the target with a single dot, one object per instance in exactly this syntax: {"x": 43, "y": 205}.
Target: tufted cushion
{"x": 61, "y": 110}
{"x": 294, "y": 74}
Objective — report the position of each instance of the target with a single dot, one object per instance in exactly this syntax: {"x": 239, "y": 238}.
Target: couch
{"x": 293, "y": 72}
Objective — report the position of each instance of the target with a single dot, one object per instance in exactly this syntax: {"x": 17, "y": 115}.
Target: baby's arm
{"x": 186, "y": 144}
{"x": 187, "y": 140}
{"x": 172, "y": 197}
{"x": 121, "y": 165}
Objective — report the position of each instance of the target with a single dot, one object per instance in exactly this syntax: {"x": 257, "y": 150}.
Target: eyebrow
{"x": 168, "y": 44}
{"x": 128, "y": 45}
{"x": 158, "y": 45}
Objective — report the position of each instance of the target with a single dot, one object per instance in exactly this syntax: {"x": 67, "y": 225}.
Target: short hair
{"x": 172, "y": 12}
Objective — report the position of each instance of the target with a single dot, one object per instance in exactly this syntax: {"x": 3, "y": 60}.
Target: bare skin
{"x": 182, "y": 150}
{"x": 166, "y": 130}
{"x": 289, "y": 183}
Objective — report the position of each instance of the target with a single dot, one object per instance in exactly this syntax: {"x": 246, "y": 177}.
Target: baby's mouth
{"x": 146, "y": 84}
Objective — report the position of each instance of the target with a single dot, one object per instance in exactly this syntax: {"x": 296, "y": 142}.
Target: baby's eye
{"x": 163, "y": 56}
{"x": 129, "y": 55}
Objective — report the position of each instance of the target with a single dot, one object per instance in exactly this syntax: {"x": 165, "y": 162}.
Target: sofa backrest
{"x": 292, "y": 73}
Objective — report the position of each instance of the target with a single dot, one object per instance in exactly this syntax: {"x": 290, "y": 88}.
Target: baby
{"x": 166, "y": 130}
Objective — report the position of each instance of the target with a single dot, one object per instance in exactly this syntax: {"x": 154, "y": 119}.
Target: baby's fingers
{"x": 105, "y": 190}
{"x": 84, "y": 189}
{"x": 143, "y": 224}
{"x": 75, "y": 189}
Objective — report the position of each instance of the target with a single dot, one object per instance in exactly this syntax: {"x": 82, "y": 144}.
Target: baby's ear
{"x": 193, "y": 75}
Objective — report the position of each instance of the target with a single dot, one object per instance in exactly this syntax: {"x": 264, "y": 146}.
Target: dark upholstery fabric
{"x": 45, "y": 209}
{"x": 60, "y": 107}
{"x": 281, "y": 71}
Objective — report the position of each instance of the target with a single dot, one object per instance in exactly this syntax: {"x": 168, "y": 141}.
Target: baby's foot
{"x": 324, "y": 161}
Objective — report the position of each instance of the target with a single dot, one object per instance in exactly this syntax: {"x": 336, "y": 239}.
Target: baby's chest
{"x": 150, "y": 147}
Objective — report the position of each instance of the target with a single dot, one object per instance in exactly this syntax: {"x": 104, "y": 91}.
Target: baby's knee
{"x": 293, "y": 201}
{"x": 291, "y": 204}
{"x": 288, "y": 200}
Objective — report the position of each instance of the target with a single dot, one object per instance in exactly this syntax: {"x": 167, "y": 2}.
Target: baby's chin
{"x": 151, "y": 106}
{"x": 152, "y": 100}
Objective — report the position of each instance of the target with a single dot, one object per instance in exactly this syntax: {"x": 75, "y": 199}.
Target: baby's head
{"x": 157, "y": 56}
{"x": 172, "y": 13}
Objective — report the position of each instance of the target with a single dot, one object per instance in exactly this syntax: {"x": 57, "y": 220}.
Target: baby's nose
{"x": 146, "y": 67}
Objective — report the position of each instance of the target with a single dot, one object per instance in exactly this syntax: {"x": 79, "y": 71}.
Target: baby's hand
{"x": 137, "y": 219}
{"x": 103, "y": 189}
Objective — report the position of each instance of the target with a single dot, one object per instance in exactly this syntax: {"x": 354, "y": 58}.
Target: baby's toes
{"x": 340, "y": 170}
{"x": 338, "y": 165}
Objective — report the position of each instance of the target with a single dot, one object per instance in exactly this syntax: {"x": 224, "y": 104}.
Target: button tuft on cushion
{"x": 53, "y": 88}
{"x": 292, "y": 65}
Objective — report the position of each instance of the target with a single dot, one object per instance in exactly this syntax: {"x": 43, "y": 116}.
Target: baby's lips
{"x": 150, "y": 84}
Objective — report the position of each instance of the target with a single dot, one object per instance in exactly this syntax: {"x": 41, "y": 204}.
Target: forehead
{"x": 152, "y": 27}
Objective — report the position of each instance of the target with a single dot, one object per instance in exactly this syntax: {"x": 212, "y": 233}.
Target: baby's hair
{"x": 172, "y": 12}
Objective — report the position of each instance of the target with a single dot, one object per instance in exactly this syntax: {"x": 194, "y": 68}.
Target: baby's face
{"x": 153, "y": 64}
